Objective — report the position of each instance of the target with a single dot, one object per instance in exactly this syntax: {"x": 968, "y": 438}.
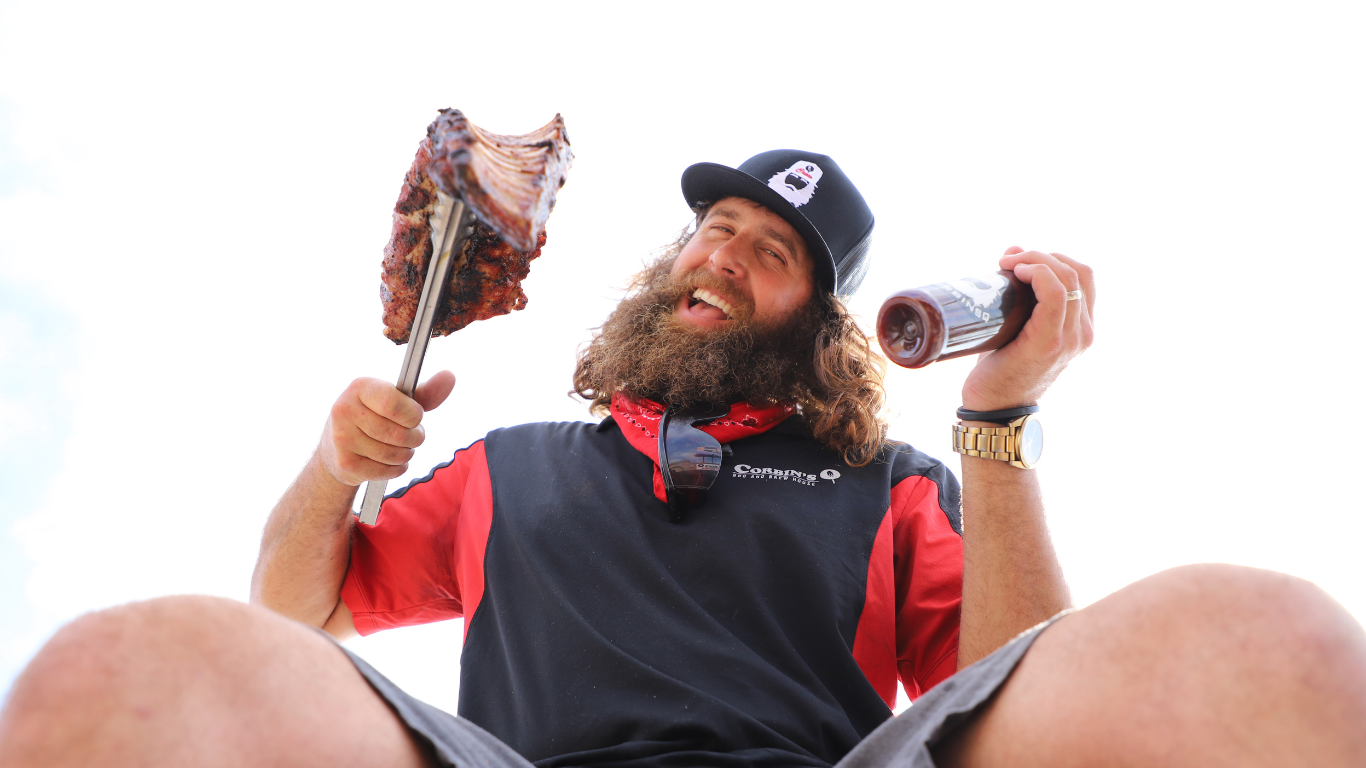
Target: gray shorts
{"x": 901, "y": 741}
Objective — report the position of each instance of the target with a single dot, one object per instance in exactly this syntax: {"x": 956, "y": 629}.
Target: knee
{"x": 104, "y": 655}
{"x": 1252, "y": 615}
{"x": 153, "y": 628}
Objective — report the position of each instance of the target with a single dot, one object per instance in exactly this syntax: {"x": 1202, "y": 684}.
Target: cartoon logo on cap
{"x": 798, "y": 183}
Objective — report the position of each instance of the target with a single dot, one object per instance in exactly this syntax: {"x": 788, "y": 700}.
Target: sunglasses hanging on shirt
{"x": 689, "y": 459}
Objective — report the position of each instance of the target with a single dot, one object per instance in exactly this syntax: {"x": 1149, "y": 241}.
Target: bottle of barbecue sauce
{"x": 916, "y": 327}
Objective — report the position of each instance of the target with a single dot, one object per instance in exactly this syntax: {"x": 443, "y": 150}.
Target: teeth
{"x": 702, "y": 294}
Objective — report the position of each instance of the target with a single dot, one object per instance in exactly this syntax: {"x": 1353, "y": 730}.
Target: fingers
{"x": 387, "y": 431}
{"x": 348, "y": 455}
{"x": 1071, "y": 320}
{"x": 1065, "y": 271}
{"x": 384, "y": 399}
{"x": 1086, "y": 280}
{"x": 1050, "y": 315}
{"x": 359, "y": 429}
{"x": 1073, "y": 274}
{"x": 371, "y": 432}
{"x": 367, "y": 459}
{"x": 435, "y": 390}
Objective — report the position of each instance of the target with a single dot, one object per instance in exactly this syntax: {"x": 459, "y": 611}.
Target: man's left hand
{"x": 1058, "y": 330}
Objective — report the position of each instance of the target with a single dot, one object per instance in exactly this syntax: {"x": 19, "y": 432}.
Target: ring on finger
{"x": 1077, "y": 294}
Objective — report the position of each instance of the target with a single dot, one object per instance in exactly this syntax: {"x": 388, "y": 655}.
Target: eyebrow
{"x": 785, "y": 241}
{"x": 781, "y": 238}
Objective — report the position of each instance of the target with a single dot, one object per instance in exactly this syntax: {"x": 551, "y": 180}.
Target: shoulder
{"x": 452, "y": 472}
{"x": 547, "y": 437}
{"x": 908, "y": 461}
{"x": 912, "y": 470}
{"x": 550, "y": 430}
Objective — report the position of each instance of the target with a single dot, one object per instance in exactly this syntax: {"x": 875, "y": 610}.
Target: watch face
{"x": 1031, "y": 441}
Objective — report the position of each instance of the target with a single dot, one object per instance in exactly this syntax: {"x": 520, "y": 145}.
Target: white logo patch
{"x": 791, "y": 475}
{"x": 798, "y": 183}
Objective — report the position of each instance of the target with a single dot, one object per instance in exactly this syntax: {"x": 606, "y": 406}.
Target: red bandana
{"x": 639, "y": 422}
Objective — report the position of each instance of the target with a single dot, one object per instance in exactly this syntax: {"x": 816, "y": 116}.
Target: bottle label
{"x": 980, "y": 296}
{"x": 974, "y": 310}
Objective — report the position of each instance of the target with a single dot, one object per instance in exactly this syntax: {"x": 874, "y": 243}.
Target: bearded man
{"x": 734, "y": 568}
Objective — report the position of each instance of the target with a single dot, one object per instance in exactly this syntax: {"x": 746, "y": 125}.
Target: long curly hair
{"x": 840, "y": 395}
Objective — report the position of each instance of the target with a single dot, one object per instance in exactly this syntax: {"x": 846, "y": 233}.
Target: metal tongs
{"x": 449, "y": 242}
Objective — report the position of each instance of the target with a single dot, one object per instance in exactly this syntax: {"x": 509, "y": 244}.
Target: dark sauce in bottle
{"x": 945, "y": 320}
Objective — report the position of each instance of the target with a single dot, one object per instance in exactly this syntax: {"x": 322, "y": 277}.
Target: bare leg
{"x": 1198, "y": 666}
{"x": 196, "y": 681}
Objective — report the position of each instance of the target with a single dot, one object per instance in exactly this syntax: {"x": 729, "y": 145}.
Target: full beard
{"x": 644, "y": 350}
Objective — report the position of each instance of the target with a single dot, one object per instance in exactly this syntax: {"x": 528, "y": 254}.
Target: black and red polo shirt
{"x": 768, "y": 628}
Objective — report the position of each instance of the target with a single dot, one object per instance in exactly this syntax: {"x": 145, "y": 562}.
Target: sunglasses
{"x": 689, "y": 459}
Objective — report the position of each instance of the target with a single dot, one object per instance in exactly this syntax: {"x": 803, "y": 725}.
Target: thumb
{"x": 434, "y": 391}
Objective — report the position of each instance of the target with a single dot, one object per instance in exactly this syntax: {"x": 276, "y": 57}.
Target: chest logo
{"x": 789, "y": 475}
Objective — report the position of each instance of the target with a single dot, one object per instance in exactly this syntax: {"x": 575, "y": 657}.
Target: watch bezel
{"x": 1019, "y": 426}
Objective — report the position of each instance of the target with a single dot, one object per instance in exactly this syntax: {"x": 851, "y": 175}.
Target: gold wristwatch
{"x": 1019, "y": 442}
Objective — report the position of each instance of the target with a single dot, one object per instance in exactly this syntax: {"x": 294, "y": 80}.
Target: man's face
{"x": 745, "y": 263}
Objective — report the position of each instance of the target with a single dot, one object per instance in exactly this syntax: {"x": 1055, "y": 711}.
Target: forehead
{"x": 744, "y": 211}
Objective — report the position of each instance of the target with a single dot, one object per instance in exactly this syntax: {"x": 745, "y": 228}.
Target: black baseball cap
{"x": 812, "y": 194}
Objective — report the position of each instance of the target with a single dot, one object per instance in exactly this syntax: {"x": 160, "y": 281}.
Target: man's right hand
{"x": 373, "y": 428}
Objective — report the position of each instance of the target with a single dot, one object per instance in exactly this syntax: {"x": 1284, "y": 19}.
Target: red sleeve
{"x": 929, "y": 585}
{"x": 423, "y": 561}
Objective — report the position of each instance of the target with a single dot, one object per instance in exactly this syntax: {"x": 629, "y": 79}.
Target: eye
{"x": 775, "y": 255}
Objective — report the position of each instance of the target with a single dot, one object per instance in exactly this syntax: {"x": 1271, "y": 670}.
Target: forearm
{"x": 1011, "y": 576}
{"x": 305, "y": 548}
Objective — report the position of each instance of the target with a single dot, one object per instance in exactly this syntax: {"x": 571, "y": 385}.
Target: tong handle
{"x": 452, "y": 241}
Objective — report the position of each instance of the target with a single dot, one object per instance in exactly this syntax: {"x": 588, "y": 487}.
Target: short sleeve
{"x": 928, "y": 552}
{"x": 423, "y": 560}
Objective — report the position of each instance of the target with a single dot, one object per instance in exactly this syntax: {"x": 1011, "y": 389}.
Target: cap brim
{"x": 709, "y": 182}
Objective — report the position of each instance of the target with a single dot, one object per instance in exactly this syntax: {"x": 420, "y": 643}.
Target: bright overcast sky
{"x": 194, "y": 199}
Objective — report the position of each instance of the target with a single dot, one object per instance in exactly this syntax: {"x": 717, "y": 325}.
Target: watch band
{"x": 998, "y": 443}
{"x": 1000, "y": 417}
{"x": 985, "y": 442}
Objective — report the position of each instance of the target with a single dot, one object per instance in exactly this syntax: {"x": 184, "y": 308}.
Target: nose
{"x": 729, "y": 258}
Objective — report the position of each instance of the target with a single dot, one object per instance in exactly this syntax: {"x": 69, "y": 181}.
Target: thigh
{"x": 197, "y": 681}
{"x": 454, "y": 742}
{"x": 906, "y": 741}
{"x": 1202, "y": 666}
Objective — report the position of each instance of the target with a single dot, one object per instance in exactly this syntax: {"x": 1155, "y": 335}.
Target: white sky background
{"x": 194, "y": 200}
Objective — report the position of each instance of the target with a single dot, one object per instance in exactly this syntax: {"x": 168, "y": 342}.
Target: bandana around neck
{"x": 639, "y": 418}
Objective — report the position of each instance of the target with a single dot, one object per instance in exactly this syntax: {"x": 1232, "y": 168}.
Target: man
{"x": 629, "y": 603}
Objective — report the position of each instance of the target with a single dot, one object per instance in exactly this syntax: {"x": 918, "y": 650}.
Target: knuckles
{"x": 1053, "y": 349}
{"x": 398, "y": 435}
{"x": 352, "y": 465}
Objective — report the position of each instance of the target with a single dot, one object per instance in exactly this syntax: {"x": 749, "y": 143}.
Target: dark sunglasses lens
{"x": 694, "y": 456}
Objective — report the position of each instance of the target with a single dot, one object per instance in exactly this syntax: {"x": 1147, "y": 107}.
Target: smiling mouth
{"x": 703, "y": 296}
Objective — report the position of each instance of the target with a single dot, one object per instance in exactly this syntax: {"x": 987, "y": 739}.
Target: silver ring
{"x": 1074, "y": 295}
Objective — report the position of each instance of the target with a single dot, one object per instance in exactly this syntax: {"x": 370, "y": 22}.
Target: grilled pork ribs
{"x": 510, "y": 182}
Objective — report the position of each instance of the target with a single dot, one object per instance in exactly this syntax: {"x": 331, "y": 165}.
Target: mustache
{"x": 683, "y": 284}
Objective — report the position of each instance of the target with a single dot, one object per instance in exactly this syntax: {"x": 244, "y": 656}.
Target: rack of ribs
{"x": 509, "y": 182}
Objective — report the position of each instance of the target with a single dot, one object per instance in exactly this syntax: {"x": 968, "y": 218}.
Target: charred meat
{"x": 510, "y": 182}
